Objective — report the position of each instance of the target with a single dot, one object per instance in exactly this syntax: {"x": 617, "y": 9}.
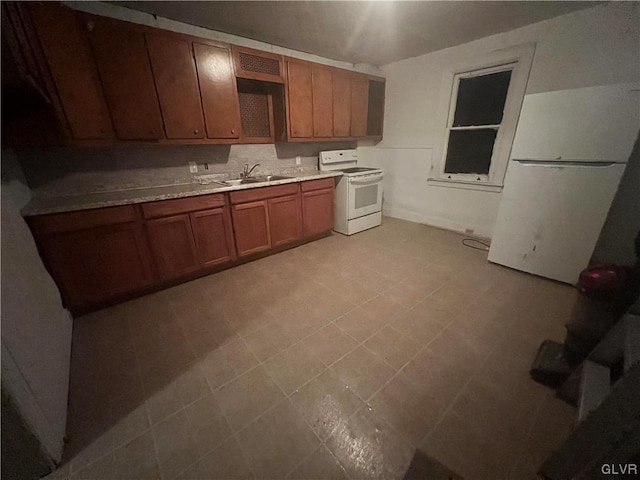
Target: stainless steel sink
{"x": 206, "y": 180}
{"x": 268, "y": 178}
{"x": 240, "y": 181}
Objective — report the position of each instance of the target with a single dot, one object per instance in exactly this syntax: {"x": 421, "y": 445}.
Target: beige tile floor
{"x": 332, "y": 360}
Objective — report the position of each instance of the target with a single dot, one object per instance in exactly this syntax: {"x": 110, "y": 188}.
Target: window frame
{"x": 472, "y": 177}
{"x": 517, "y": 59}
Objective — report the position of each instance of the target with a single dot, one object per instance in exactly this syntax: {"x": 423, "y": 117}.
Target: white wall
{"x": 36, "y": 330}
{"x": 596, "y": 46}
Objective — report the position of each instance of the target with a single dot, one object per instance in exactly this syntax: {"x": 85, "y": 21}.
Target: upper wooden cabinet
{"x": 218, "y": 90}
{"x": 257, "y": 65}
{"x": 176, "y": 82}
{"x": 359, "y": 105}
{"x": 341, "y": 103}
{"x": 326, "y": 103}
{"x": 107, "y": 81}
{"x": 375, "y": 111}
{"x": 71, "y": 65}
{"x": 300, "y": 87}
{"x": 121, "y": 55}
{"x": 322, "y": 88}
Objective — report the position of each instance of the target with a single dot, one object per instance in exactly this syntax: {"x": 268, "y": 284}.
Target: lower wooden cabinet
{"x": 99, "y": 256}
{"x": 94, "y": 265}
{"x": 285, "y": 219}
{"x": 182, "y": 244}
{"x": 172, "y": 245}
{"x": 317, "y": 212}
{"x": 266, "y": 217}
{"x": 213, "y": 235}
{"x": 251, "y": 227}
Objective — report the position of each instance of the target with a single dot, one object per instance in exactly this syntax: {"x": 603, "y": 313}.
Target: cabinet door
{"x": 172, "y": 246}
{"x": 213, "y": 236}
{"x": 322, "y": 102}
{"x": 93, "y": 265}
{"x": 359, "y": 105}
{"x": 300, "y": 100}
{"x": 174, "y": 72}
{"x": 285, "y": 219}
{"x": 375, "y": 115}
{"x": 73, "y": 70}
{"x": 121, "y": 55}
{"x": 251, "y": 227}
{"x": 317, "y": 212}
{"x": 218, "y": 90}
{"x": 341, "y": 104}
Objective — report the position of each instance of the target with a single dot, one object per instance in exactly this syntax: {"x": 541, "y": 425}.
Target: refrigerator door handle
{"x": 564, "y": 163}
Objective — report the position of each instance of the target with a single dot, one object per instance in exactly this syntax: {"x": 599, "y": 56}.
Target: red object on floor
{"x": 602, "y": 280}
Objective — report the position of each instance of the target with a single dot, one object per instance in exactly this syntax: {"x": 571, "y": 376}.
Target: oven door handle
{"x": 368, "y": 181}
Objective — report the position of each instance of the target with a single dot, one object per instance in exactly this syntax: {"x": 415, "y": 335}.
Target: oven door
{"x": 365, "y": 195}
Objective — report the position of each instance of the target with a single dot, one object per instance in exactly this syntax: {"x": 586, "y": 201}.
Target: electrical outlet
{"x": 193, "y": 167}
{"x": 298, "y": 160}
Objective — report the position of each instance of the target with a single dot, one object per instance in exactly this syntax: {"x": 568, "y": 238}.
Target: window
{"x": 478, "y": 111}
{"x": 475, "y": 118}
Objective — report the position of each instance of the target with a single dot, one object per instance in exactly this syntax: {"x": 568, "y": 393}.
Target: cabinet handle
{"x": 195, "y": 132}
{"x": 233, "y": 131}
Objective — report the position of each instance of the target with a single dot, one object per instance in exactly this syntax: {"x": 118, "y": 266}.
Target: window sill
{"x": 482, "y": 187}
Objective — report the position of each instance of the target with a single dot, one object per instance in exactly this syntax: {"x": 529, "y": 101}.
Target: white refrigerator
{"x": 569, "y": 153}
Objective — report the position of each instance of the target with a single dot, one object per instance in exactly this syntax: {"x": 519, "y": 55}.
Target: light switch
{"x": 193, "y": 167}
{"x": 298, "y": 160}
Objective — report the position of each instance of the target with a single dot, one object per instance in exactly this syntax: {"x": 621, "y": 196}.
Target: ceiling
{"x": 375, "y": 32}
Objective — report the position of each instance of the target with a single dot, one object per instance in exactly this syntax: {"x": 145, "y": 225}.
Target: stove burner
{"x": 356, "y": 169}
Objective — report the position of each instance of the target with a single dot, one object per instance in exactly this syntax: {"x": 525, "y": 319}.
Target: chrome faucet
{"x": 246, "y": 172}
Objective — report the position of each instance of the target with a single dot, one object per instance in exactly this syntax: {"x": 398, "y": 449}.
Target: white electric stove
{"x": 358, "y": 204}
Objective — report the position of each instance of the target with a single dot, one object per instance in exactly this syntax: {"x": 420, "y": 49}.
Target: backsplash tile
{"x": 64, "y": 171}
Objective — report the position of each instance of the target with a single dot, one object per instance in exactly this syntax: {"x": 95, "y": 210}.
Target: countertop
{"x": 44, "y": 204}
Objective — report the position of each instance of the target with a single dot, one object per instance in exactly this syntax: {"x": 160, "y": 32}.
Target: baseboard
{"x": 416, "y": 217}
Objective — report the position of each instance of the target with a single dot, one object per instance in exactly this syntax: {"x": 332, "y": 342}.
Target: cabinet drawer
{"x": 72, "y": 221}
{"x": 262, "y": 193}
{"x": 164, "y": 208}
{"x": 318, "y": 184}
